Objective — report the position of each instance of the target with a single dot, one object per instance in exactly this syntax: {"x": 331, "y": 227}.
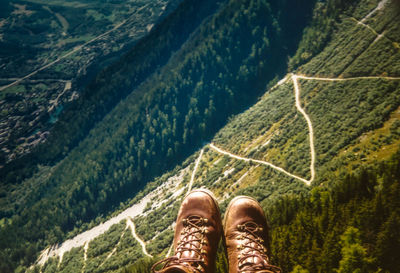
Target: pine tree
{"x": 388, "y": 244}
{"x": 354, "y": 255}
{"x": 299, "y": 269}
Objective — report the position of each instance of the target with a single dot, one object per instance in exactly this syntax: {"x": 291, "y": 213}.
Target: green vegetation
{"x": 158, "y": 124}
{"x": 352, "y": 226}
{"x": 350, "y": 109}
{"x": 346, "y": 222}
{"x": 54, "y": 41}
{"x": 141, "y": 266}
{"x": 339, "y": 225}
{"x": 325, "y": 17}
{"x": 349, "y": 227}
{"x": 31, "y": 28}
{"x": 271, "y": 130}
{"x": 102, "y": 246}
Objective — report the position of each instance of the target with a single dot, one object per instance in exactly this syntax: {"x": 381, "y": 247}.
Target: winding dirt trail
{"x": 380, "y": 6}
{"x": 83, "y": 239}
{"x": 130, "y": 223}
{"x": 219, "y": 150}
{"x": 115, "y": 248}
{"x": 194, "y": 171}
{"x": 369, "y": 28}
{"x": 87, "y": 236}
{"x": 346, "y": 79}
{"x": 310, "y": 127}
{"x": 297, "y": 91}
{"x": 85, "y": 250}
{"x": 196, "y": 166}
{"x": 294, "y": 78}
{"x": 129, "y": 214}
{"x": 169, "y": 250}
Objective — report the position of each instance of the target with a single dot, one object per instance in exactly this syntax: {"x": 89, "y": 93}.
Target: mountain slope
{"x": 48, "y": 52}
{"x": 211, "y": 76}
{"x": 266, "y": 152}
{"x": 111, "y": 86}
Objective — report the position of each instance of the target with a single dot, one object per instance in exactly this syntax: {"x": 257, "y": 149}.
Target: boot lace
{"x": 189, "y": 251}
{"x": 253, "y": 254}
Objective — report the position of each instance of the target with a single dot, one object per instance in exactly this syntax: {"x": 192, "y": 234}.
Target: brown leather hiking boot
{"x": 246, "y": 233}
{"x": 197, "y": 234}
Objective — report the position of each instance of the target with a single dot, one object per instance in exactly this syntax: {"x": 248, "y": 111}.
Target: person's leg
{"x": 246, "y": 235}
{"x": 197, "y": 234}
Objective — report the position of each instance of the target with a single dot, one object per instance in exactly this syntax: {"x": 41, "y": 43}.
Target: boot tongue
{"x": 191, "y": 243}
{"x": 255, "y": 259}
{"x": 177, "y": 269}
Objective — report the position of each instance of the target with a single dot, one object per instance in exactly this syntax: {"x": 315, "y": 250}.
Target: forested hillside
{"x": 49, "y": 51}
{"x": 147, "y": 112}
{"x": 349, "y": 220}
{"x": 110, "y": 86}
{"x": 350, "y": 226}
{"x": 317, "y": 147}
